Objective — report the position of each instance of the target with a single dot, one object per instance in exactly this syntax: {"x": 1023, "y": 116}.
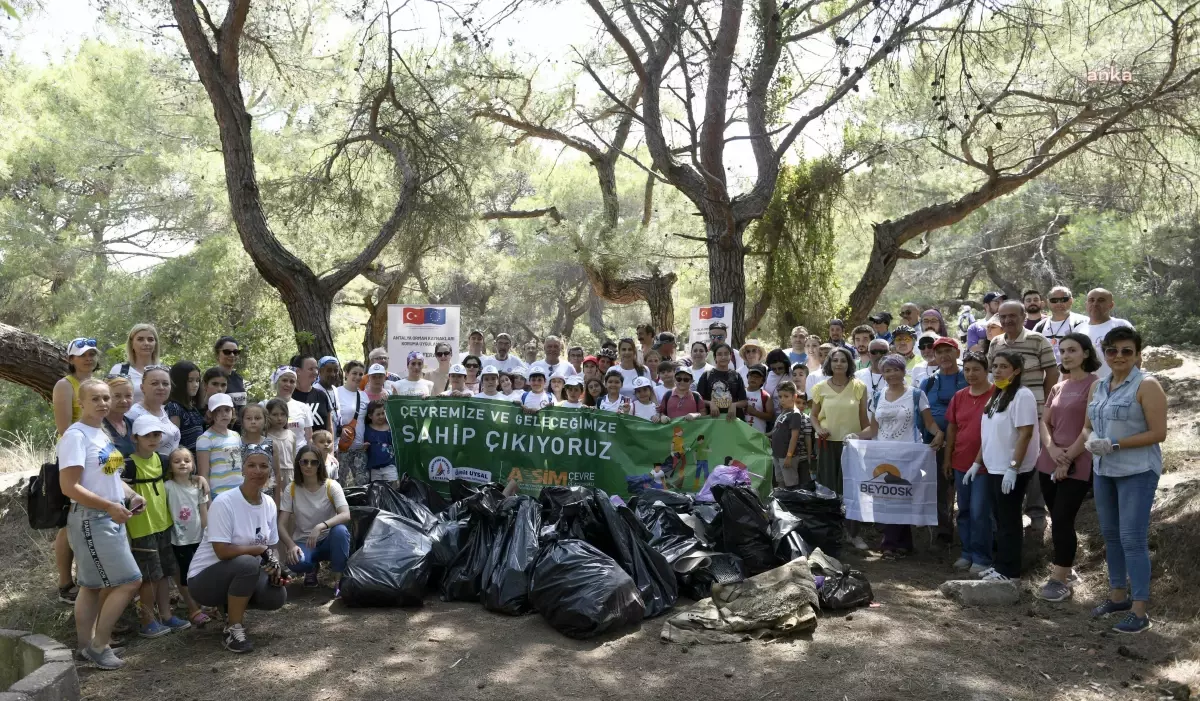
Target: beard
{"x": 1033, "y": 309}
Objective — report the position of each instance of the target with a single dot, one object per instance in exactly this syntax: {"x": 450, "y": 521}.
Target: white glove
{"x": 851, "y": 437}
{"x": 1009, "y": 481}
{"x": 1098, "y": 446}
{"x": 975, "y": 468}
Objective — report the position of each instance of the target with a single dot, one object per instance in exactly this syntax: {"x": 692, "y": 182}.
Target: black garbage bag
{"x": 461, "y": 489}
{"x": 506, "y": 580}
{"x": 705, "y": 520}
{"x": 464, "y": 575}
{"x": 580, "y": 591}
{"x": 392, "y": 566}
{"x": 722, "y": 568}
{"x": 745, "y": 529}
{"x": 361, "y": 518}
{"x": 845, "y": 590}
{"x": 680, "y": 503}
{"x": 356, "y": 496}
{"x": 554, "y": 499}
{"x": 383, "y": 495}
{"x": 803, "y": 517}
{"x": 668, "y": 534}
{"x": 422, "y": 493}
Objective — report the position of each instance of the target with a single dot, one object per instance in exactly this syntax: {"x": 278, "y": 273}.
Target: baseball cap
{"x": 880, "y": 318}
{"x": 487, "y": 370}
{"x": 591, "y": 359}
{"x": 717, "y": 325}
{"x": 685, "y": 369}
{"x": 574, "y": 381}
{"x": 475, "y": 332}
{"x": 536, "y": 371}
{"x": 993, "y": 296}
{"x": 929, "y": 336}
{"x": 904, "y": 330}
{"x": 946, "y": 341}
{"x": 639, "y": 382}
{"x": 376, "y": 369}
{"x": 457, "y": 369}
{"x": 79, "y": 346}
{"x": 520, "y": 371}
{"x": 758, "y": 369}
{"x": 503, "y": 334}
{"x": 147, "y": 424}
{"x": 217, "y": 400}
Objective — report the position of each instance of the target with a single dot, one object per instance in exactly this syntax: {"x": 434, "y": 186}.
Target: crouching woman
{"x": 235, "y": 566}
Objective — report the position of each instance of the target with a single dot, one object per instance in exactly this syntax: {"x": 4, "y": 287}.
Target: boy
{"x": 574, "y": 391}
{"x": 791, "y": 439}
{"x": 536, "y": 397}
{"x": 683, "y": 401}
{"x": 760, "y": 408}
{"x": 666, "y": 380}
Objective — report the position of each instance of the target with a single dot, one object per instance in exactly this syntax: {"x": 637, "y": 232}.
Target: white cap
{"x": 520, "y": 371}
{"x": 640, "y": 382}
{"x": 560, "y": 373}
{"x": 147, "y": 424}
{"x": 376, "y": 369}
{"x": 488, "y": 370}
{"x": 536, "y": 371}
{"x": 575, "y": 381}
{"x": 218, "y": 400}
{"x": 80, "y": 346}
{"x": 457, "y": 369}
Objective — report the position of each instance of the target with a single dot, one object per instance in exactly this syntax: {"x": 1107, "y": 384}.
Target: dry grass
{"x": 28, "y": 600}
{"x": 1181, "y": 449}
{"x": 20, "y": 452}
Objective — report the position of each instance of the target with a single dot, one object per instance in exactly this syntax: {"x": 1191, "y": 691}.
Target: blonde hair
{"x": 89, "y": 384}
{"x": 112, "y": 382}
{"x": 321, "y": 433}
{"x": 129, "y": 352}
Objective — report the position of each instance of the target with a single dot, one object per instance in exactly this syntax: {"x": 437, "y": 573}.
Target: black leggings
{"x": 240, "y": 576}
{"x": 1009, "y": 531}
{"x": 1063, "y": 500}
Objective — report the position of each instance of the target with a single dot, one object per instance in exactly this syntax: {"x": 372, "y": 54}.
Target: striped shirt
{"x": 224, "y": 460}
{"x": 1038, "y": 354}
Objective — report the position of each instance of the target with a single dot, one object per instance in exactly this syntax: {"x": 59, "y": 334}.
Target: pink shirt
{"x": 1067, "y": 407}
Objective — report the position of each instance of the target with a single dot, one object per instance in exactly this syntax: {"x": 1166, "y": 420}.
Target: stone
{"x": 1160, "y": 358}
{"x": 973, "y": 592}
{"x": 53, "y": 681}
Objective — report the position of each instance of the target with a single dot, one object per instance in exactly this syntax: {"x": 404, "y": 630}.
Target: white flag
{"x": 889, "y": 482}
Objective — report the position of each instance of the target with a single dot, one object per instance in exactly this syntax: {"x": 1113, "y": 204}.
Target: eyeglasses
{"x": 310, "y": 461}
{"x": 1059, "y": 300}
{"x": 877, "y": 351}
{"x": 779, "y": 369}
{"x": 1125, "y": 352}
{"x": 231, "y": 351}
{"x": 442, "y": 354}
{"x": 83, "y": 343}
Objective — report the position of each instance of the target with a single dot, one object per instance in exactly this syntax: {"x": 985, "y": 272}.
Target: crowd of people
{"x": 174, "y": 473}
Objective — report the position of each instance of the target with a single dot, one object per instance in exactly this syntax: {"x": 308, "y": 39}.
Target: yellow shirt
{"x": 157, "y": 516}
{"x": 840, "y": 410}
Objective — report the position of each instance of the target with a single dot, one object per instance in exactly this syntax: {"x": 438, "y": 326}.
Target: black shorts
{"x": 154, "y": 555}
{"x": 183, "y": 557}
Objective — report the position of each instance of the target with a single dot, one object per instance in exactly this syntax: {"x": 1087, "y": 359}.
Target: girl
{"x": 214, "y": 381}
{"x": 1008, "y": 452}
{"x": 415, "y": 384}
{"x": 777, "y": 371}
{"x": 324, "y": 441}
{"x": 283, "y": 444}
{"x": 185, "y": 407}
{"x": 377, "y": 385}
{"x": 156, "y": 390}
{"x": 90, "y": 476}
{"x": 721, "y": 386}
{"x": 612, "y": 400}
{"x": 591, "y": 368}
{"x": 964, "y": 418}
{"x": 651, "y": 360}
{"x": 219, "y": 449}
{"x": 141, "y": 349}
{"x": 377, "y": 439}
{"x": 593, "y": 389}
{"x": 352, "y": 412}
{"x": 299, "y": 416}
{"x": 313, "y": 518}
{"x": 557, "y": 383}
{"x": 839, "y": 407}
{"x": 118, "y": 426}
{"x": 574, "y": 392}
{"x": 629, "y": 368}
{"x": 187, "y": 497}
{"x": 520, "y": 383}
{"x": 504, "y": 386}
{"x": 644, "y": 405}
{"x": 812, "y": 353}
{"x": 254, "y": 432}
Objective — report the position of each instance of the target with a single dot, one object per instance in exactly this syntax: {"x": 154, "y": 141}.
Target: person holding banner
{"x": 489, "y": 384}
{"x": 722, "y": 386}
{"x": 1009, "y": 452}
{"x": 964, "y": 418}
{"x": 839, "y": 407}
{"x": 415, "y": 385}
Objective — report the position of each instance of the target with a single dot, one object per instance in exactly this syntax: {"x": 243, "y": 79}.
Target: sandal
{"x": 199, "y": 619}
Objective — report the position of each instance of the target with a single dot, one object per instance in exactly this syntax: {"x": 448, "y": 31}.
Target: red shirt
{"x": 673, "y": 406}
{"x": 966, "y": 413}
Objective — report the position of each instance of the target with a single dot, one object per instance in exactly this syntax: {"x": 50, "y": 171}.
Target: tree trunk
{"x": 727, "y": 272}
{"x": 31, "y": 360}
{"x": 875, "y": 278}
{"x": 655, "y": 290}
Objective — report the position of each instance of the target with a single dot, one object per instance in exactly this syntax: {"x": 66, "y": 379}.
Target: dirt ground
{"x": 913, "y": 645}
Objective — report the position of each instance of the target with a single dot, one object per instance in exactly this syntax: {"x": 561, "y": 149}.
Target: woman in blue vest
{"x": 1126, "y": 423}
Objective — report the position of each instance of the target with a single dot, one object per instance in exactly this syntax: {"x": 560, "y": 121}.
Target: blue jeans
{"x": 974, "y": 519}
{"x": 333, "y": 548}
{"x": 1123, "y": 506}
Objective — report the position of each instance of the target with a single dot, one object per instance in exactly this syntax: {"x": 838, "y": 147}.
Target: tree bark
{"x": 31, "y": 360}
{"x": 654, "y": 289}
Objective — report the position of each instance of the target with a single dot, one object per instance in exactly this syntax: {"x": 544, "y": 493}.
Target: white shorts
{"x": 387, "y": 473}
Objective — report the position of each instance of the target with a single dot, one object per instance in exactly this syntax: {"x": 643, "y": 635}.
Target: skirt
{"x": 829, "y": 465}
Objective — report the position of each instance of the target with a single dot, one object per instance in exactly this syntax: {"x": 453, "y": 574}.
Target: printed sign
{"x": 705, "y": 315}
{"x": 889, "y": 482}
{"x": 419, "y": 327}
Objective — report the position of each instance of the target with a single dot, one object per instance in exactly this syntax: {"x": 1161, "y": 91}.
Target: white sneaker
{"x": 858, "y": 543}
{"x": 993, "y": 576}
{"x": 962, "y": 563}
{"x": 978, "y": 570}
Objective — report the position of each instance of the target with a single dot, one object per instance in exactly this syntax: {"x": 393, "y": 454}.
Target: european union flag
{"x": 718, "y": 312}
{"x": 435, "y": 316}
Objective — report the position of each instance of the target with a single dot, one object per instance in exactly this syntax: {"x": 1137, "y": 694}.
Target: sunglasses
{"x": 925, "y": 344}
{"x": 231, "y": 351}
{"x": 164, "y": 368}
{"x": 779, "y": 369}
{"x": 682, "y": 378}
{"x": 1059, "y": 300}
{"x": 877, "y": 351}
{"x": 310, "y": 461}
{"x": 472, "y": 366}
{"x": 83, "y": 343}
{"x": 442, "y": 354}
{"x": 1125, "y": 352}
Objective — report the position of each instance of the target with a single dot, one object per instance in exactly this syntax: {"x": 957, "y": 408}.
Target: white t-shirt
{"x": 412, "y": 388}
{"x": 698, "y": 372}
{"x": 513, "y": 396}
{"x": 629, "y": 376}
{"x": 660, "y": 392}
{"x": 873, "y": 381}
{"x": 754, "y": 398}
{"x": 170, "y": 432}
{"x": 310, "y": 508}
{"x": 813, "y": 379}
{"x": 506, "y": 365}
{"x": 917, "y": 374}
{"x": 1097, "y": 332}
{"x": 1000, "y": 434}
{"x": 898, "y": 421}
{"x": 562, "y": 366}
{"x": 606, "y": 404}
{"x": 347, "y": 401}
{"x": 463, "y": 356}
{"x": 92, "y": 449}
{"x": 645, "y": 411}
{"x": 571, "y": 405}
{"x": 233, "y": 520}
{"x": 1054, "y": 331}
{"x": 535, "y": 400}
{"x": 135, "y": 377}
{"x": 498, "y": 396}
{"x": 299, "y": 418}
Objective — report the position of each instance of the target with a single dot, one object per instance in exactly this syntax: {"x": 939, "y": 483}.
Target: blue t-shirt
{"x": 940, "y": 389}
{"x": 795, "y": 357}
{"x": 379, "y": 452}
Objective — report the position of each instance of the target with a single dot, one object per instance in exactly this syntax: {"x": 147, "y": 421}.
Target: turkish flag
{"x": 413, "y": 315}
{"x": 705, "y": 312}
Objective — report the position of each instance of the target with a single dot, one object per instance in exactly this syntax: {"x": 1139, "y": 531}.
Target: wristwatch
{"x": 1116, "y": 446}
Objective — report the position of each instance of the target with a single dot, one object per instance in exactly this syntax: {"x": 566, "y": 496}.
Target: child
{"x": 214, "y": 381}
{"x": 186, "y": 405}
{"x": 557, "y": 382}
{"x": 150, "y": 529}
{"x": 591, "y": 368}
{"x": 458, "y": 382}
{"x": 612, "y": 400}
{"x": 593, "y": 390}
{"x": 324, "y": 440}
{"x": 536, "y": 397}
{"x": 644, "y": 405}
{"x": 792, "y": 438}
{"x": 505, "y": 386}
{"x": 489, "y": 385}
{"x": 799, "y": 378}
{"x": 574, "y": 391}
{"x": 283, "y": 444}
{"x": 666, "y": 380}
{"x": 377, "y": 437}
{"x": 760, "y": 408}
{"x": 254, "y": 432}
{"x": 658, "y": 476}
{"x": 520, "y": 375}
{"x": 219, "y": 449}
{"x": 187, "y": 496}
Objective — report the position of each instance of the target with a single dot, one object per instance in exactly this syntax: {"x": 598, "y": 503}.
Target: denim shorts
{"x": 102, "y": 555}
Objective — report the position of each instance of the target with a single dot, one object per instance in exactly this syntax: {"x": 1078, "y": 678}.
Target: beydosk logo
{"x": 887, "y": 483}
{"x": 442, "y": 470}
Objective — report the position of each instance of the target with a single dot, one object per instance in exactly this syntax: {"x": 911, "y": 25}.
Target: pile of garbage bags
{"x": 585, "y": 562}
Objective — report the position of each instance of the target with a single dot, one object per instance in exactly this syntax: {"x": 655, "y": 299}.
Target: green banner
{"x": 436, "y": 440}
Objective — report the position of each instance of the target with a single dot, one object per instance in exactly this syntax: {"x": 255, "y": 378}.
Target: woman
{"x": 1064, "y": 467}
{"x": 156, "y": 390}
{"x": 313, "y": 518}
{"x": 893, "y": 412}
{"x": 187, "y": 403}
{"x": 227, "y": 352}
{"x": 753, "y": 353}
{"x": 300, "y": 419}
{"x": 235, "y": 566}
{"x": 1008, "y": 452}
{"x": 964, "y": 418}
{"x": 699, "y": 355}
{"x": 90, "y": 476}
{"x": 1126, "y": 423}
{"x": 141, "y": 349}
{"x": 118, "y": 426}
{"x": 414, "y": 384}
{"x": 440, "y": 376}
{"x": 839, "y": 407}
{"x": 629, "y": 366}
{"x": 472, "y": 364}
{"x": 352, "y": 410}
{"x": 777, "y": 371}
{"x": 931, "y": 320}
{"x": 82, "y": 357}
{"x": 812, "y": 354}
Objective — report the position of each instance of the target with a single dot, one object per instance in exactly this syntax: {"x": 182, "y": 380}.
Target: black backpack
{"x": 45, "y": 501}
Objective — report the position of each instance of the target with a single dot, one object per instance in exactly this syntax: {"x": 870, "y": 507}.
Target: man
{"x": 910, "y": 313}
{"x": 881, "y": 321}
{"x": 475, "y": 346}
{"x": 312, "y": 397}
{"x": 939, "y": 387}
{"x": 797, "y": 354}
{"x": 718, "y": 332}
{"x": 837, "y": 336}
{"x": 1062, "y": 320}
{"x": 328, "y": 370}
{"x": 1039, "y": 375}
{"x": 379, "y": 356}
{"x": 503, "y": 360}
{"x": 531, "y": 351}
{"x": 862, "y": 336}
{"x": 1100, "y": 322}
{"x": 575, "y": 358}
{"x": 664, "y": 343}
{"x": 927, "y": 365}
{"x": 553, "y": 362}
{"x": 1032, "y": 299}
{"x": 872, "y": 376}
{"x": 905, "y": 340}
{"x": 645, "y": 338}
{"x": 977, "y": 332}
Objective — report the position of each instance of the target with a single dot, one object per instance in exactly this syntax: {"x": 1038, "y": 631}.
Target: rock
{"x": 480, "y": 685}
{"x": 1159, "y": 358}
{"x": 1175, "y": 690}
{"x": 729, "y": 673}
{"x": 684, "y": 649}
{"x": 971, "y": 592}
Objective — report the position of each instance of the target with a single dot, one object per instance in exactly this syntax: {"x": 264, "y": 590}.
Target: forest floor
{"x": 913, "y": 645}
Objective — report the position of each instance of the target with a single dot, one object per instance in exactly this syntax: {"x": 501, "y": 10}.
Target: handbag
{"x": 347, "y": 437}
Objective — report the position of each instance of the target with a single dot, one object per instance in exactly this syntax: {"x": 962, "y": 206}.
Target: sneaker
{"x": 978, "y": 570}
{"x": 993, "y": 576}
{"x": 175, "y": 623}
{"x": 962, "y": 563}
{"x": 103, "y": 659}
{"x": 67, "y": 594}
{"x": 310, "y": 581}
{"x": 236, "y": 640}
{"x": 858, "y": 543}
{"x": 117, "y": 650}
{"x": 153, "y": 629}
{"x": 1133, "y": 624}
{"x": 1110, "y": 606}
{"x": 1054, "y": 591}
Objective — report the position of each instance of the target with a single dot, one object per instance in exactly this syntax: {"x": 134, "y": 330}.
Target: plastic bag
{"x": 361, "y": 518}
{"x": 580, "y": 591}
{"x": 554, "y": 499}
{"x": 668, "y": 534}
{"x": 845, "y": 590}
{"x": 422, "y": 493}
{"x": 722, "y": 568}
{"x": 680, "y": 503}
{"x": 392, "y": 566}
{"x": 745, "y": 529}
{"x": 382, "y": 495}
{"x": 506, "y": 581}
{"x": 815, "y": 517}
{"x": 734, "y": 474}
{"x": 464, "y": 575}
{"x": 462, "y": 489}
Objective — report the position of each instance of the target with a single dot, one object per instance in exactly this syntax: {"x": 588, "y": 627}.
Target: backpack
{"x": 347, "y": 435}
{"x": 129, "y": 474}
{"x": 526, "y": 393}
{"x": 916, "y": 407}
{"x": 124, "y": 370}
{"x": 696, "y": 398}
{"x": 44, "y": 499}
